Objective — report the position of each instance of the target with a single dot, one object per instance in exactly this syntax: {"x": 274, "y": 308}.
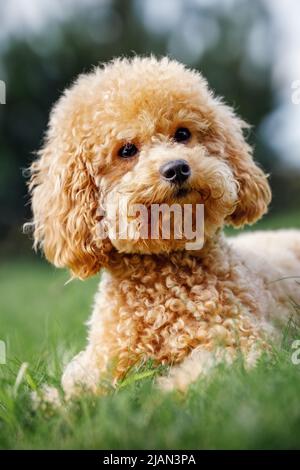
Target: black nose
{"x": 175, "y": 171}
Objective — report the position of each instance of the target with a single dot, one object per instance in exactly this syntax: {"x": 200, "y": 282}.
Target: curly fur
{"x": 157, "y": 300}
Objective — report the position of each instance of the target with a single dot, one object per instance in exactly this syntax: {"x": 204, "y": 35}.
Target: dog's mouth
{"x": 187, "y": 195}
{"x": 182, "y": 192}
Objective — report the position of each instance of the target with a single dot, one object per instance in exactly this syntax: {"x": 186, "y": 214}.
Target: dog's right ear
{"x": 65, "y": 198}
{"x": 254, "y": 193}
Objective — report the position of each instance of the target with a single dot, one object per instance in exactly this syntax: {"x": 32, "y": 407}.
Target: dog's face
{"x": 139, "y": 132}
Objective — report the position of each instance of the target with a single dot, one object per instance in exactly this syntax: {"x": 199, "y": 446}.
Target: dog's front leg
{"x": 201, "y": 363}
{"x": 88, "y": 370}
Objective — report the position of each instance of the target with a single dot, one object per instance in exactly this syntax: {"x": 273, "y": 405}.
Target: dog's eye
{"x": 182, "y": 134}
{"x": 128, "y": 150}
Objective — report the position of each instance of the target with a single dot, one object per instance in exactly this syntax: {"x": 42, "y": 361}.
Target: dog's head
{"x": 144, "y": 131}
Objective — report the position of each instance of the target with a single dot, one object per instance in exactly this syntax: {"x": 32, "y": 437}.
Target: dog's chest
{"x": 164, "y": 313}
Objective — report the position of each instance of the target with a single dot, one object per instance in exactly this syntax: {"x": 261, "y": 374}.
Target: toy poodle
{"x": 151, "y": 132}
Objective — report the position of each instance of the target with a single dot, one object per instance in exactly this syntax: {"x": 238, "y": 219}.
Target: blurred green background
{"x": 238, "y": 45}
{"x": 250, "y": 53}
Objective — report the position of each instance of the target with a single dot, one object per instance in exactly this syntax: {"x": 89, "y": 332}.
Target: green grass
{"x": 272, "y": 222}
{"x": 42, "y": 323}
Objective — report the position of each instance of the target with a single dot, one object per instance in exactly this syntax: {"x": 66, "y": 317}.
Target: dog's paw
{"x": 199, "y": 363}
{"x": 81, "y": 376}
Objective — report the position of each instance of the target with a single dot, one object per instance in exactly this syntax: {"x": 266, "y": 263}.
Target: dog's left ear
{"x": 254, "y": 193}
{"x": 65, "y": 197}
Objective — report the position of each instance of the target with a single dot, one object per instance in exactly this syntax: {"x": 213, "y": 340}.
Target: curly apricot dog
{"x": 151, "y": 131}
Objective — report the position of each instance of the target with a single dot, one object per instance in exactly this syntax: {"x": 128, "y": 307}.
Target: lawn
{"x": 42, "y": 324}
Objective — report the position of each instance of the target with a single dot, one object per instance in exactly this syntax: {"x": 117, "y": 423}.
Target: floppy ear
{"x": 254, "y": 193}
{"x": 65, "y": 201}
